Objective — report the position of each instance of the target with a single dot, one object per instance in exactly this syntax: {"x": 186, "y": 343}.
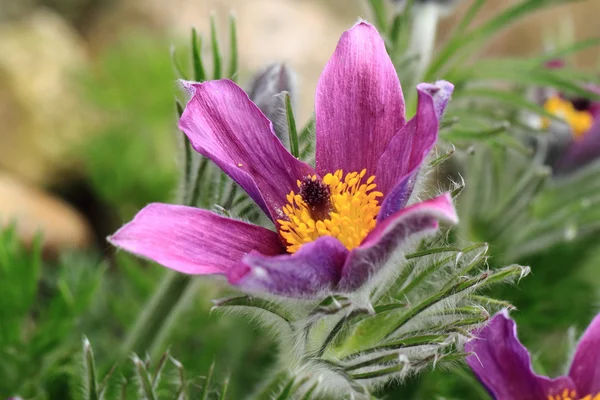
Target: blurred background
{"x": 88, "y": 137}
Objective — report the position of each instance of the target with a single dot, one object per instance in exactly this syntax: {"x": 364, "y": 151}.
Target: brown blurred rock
{"x": 33, "y": 211}
{"x": 41, "y": 114}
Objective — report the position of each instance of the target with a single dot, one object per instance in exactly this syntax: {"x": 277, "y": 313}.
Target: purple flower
{"x": 583, "y": 117}
{"x": 575, "y": 143}
{"x": 333, "y": 229}
{"x": 503, "y": 365}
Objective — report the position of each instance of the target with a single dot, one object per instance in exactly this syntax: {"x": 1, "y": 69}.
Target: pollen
{"x": 344, "y": 207}
{"x": 572, "y": 395}
{"x": 579, "y": 120}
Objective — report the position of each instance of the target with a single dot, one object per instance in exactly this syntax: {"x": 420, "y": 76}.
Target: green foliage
{"x": 164, "y": 378}
{"x": 40, "y": 313}
{"x": 129, "y": 156}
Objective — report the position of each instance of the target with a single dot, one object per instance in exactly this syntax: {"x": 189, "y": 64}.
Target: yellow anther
{"x": 579, "y": 121}
{"x": 572, "y": 395}
{"x": 354, "y": 208}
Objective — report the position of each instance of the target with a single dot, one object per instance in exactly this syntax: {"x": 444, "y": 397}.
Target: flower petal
{"x": 314, "y": 268}
{"x": 191, "y": 240}
{"x": 585, "y": 368}
{"x": 388, "y": 236}
{"x": 399, "y": 164}
{"x": 225, "y": 126}
{"x": 581, "y": 152}
{"x": 503, "y": 364}
{"x": 359, "y": 104}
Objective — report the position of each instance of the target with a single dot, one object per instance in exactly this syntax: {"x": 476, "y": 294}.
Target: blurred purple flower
{"x": 333, "y": 230}
{"x": 503, "y": 365}
{"x": 576, "y": 142}
{"x": 584, "y": 144}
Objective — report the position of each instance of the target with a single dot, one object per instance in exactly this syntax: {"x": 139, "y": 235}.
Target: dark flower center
{"x": 581, "y": 103}
{"x": 317, "y": 196}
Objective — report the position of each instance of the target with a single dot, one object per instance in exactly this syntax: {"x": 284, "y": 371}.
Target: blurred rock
{"x": 35, "y": 211}
{"x": 41, "y": 114}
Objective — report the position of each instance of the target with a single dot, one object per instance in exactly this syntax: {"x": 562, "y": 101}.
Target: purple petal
{"x": 581, "y": 152}
{"x": 191, "y": 240}
{"x": 503, "y": 364}
{"x": 585, "y": 368}
{"x": 313, "y": 269}
{"x": 359, "y": 104}
{"x": 388, "y": 236}
{"x": 399, "y": 164}
{"x": 225, "y": 126}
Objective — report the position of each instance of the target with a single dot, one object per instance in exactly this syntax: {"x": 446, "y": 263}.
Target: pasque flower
{"x": 582, "y": 117}
{"x": 575, "y": 142}
{"x": 503, "y": 365}
{"x": 336, "y": 225}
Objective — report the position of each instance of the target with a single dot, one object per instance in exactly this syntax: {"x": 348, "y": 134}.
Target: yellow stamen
{"x": 353, "y": 208}
{"x": 572, "y": 395}
{"x": 579, "y": 121}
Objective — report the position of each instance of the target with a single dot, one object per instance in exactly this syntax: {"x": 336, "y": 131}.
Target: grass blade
{"x": 292, "y": 131}
{"x": 216, "y": 52}
{"x": 199, "y": 72}
{"x": 90, "y": 384}
{"x": 233, "y": 48}
{"x": 145, "y": 384}
{"x": 209, "y": 376}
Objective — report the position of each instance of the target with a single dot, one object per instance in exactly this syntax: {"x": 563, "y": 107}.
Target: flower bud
{"x": 265, "y": 91}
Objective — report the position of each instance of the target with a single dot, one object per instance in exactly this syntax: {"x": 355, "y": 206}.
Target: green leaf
{"x": 459, "y": 133}
{"x": 90, "y": 384}
{"x": 287, "y": 390}
{"x": 144, "y": 382}
{"x": 385, "y": 359}
{"x": 309, "y": 394}
{"x": 508, "y": 99}
{"x": 178, "y": 70}
{"x": 199, "y": 72}
{"x": 529, "y": 75}
{"x": 306, "y": 140}
{"x": 505, "y": 274}
{"x": 567, "y": 50}
{"x": 224, "y": 389}
{"x": 407, "y": 342}
{"x": 443, "y": 158}
{"x": 291, "y": 122}
{"x": 490, "y": 301}
{"x": 208, "y": 381}
{"x": 395, "y": 369}
{"x": 424, "y": 274}
{"x": 255, "y": 302}
{"x": 379, "y": 13}
{"x": 331, "y": 305}
{"x": 159, "y": 368}
{"x": 216, "y": 51}
{"x": 233, "y": 48}
{"x": 469, "y": 17}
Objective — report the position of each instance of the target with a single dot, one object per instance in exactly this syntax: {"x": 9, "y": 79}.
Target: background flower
{"x": 503, "y": 365}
